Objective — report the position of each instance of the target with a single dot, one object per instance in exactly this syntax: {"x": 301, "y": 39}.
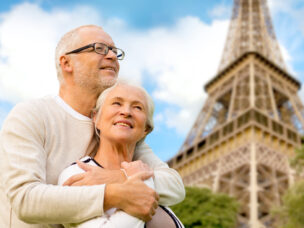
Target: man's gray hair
{"x": 68, "y": 42}
{"x": 150, "y": 104}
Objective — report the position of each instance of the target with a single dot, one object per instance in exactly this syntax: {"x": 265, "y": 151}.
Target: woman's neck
{"x": 110, "y": 155}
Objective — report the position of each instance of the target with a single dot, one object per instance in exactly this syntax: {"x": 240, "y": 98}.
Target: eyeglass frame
{"x": 93, "y": 45}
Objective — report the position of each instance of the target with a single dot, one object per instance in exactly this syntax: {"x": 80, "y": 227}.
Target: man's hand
{"x": 133, "y": 196}
{"x": 134, "y": 167}
{"x": 95, "y": 175}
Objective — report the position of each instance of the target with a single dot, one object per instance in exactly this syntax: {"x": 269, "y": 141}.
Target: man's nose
{"x": 111, "y": 55}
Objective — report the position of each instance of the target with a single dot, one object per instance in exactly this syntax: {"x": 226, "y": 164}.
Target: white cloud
{"x": 278, "y": 5}
{"x": 287, "y": 59}
{"x": 158, "y": 117}
{"x": 221, "y": 11}
{"x": 288, "y": 18}
{"x": 28, "y": 37}
{"x": 182, "y": 119}
{"x": 180, "y": 60}
{"x": 293, "y": 9}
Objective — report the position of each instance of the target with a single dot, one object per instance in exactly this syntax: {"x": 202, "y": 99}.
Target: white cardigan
{"x": 38, "y": 140}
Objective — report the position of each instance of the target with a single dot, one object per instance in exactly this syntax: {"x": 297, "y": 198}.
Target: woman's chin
{"x": 124, "y": 139}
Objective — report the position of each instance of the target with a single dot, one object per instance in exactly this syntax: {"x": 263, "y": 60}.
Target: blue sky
{"x": 173, "y": 48}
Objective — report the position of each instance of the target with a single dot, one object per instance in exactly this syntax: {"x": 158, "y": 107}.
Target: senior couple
{"x": 118, "y": 182}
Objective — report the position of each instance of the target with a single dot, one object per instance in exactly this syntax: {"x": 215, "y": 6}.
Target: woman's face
{"x": 123, "y": 115}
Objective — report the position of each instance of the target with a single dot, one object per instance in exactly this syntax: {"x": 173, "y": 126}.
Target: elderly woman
{"x": 124, "y": 118}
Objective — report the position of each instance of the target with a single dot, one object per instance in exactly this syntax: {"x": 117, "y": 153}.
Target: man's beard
{"x": 93, "y": 83}
{"x": 106, "y": 83}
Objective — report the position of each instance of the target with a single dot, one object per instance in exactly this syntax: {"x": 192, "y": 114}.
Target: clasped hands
{"x": 130, "y": 194}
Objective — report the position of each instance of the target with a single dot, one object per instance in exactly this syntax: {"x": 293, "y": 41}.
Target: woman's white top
{"x": 112, "y": 218}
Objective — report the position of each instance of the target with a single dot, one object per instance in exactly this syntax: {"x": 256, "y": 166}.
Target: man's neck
{"x": 79, "y": 99}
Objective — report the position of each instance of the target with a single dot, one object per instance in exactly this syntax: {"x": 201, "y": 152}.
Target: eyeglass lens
{"x": 104, "y": 49}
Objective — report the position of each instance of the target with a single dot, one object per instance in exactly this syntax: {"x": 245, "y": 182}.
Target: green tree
{"x": 290, "y": 213}
{"x": 298, "y": 161}
{"x": 202, "y": 208}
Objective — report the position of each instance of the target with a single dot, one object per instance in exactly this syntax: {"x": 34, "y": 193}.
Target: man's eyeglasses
{"x": 101, "y": 49}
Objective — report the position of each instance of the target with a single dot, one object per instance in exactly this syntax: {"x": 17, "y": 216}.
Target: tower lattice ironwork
{"x": 251, "y": 122}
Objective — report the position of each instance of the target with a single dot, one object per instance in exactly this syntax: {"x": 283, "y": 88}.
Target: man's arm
{"x": 118, "y": 217}
{"x": 131, "y": 195}
{"x": 23, "y": 175}
{"x": 167, "y": 181}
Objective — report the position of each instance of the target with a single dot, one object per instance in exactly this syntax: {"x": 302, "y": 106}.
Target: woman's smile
{"x": 124, "y": 123}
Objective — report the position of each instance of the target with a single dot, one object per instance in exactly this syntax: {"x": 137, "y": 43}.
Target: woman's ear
{"x": 147, "y": 130}
{"x": 65, "y": 63}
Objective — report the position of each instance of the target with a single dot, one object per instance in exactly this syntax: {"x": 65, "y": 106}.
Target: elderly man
{"x": 42, "y": 137}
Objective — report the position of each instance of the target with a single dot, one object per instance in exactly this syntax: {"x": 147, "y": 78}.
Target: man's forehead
{"x": 90, "y": 35}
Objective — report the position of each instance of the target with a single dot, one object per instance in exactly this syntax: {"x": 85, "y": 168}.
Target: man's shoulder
{"x": 36, "y": 103}
{"x": 30, "y": 111}
{"x": 34, "y": 107}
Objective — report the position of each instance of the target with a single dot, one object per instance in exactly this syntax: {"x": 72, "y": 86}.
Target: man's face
{"x": 91, "y": 70}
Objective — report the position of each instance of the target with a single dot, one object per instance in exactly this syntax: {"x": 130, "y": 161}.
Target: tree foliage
{"x": 298, "y": 161}
{"x": 290, "y": 213}
{"x": 202, "y": 208}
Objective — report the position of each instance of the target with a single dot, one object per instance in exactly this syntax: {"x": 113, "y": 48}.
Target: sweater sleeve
{"x": 23, "y": 175}
{"x": 114, "y": 220}
{"x": 167, "y": 181}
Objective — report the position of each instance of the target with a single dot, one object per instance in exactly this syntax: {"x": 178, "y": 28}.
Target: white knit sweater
{"x": 38, "y": 140}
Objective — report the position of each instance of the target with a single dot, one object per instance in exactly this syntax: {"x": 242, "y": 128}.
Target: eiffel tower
{"x": 251, "y": 122}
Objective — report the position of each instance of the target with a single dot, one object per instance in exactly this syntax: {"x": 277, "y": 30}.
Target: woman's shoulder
{"x": 73, "y": 169}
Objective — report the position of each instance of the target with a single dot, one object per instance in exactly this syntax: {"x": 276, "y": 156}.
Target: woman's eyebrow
{"x": 122, "y": 99}
{"x": 117, "y": 98}
{"x": 138, "y": 102}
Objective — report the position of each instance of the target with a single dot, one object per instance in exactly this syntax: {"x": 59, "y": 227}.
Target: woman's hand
{"x": 134, "y": 167}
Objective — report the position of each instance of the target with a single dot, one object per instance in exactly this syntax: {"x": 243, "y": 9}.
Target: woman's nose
{"x": 125, "y": 110}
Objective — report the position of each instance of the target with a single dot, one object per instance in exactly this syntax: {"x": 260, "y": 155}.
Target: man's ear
{"x": 94, "y": 116}
{"x": 65, "y": 63}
